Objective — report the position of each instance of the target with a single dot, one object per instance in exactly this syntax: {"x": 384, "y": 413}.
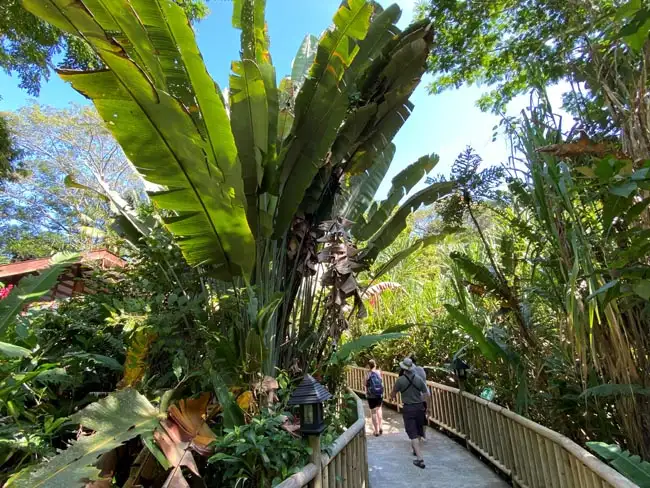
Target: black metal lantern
{"x": 310, "y": 395}
{"x": 460, "y": 367}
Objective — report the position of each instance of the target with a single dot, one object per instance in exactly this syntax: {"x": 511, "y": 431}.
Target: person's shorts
{"x": 413, "y": 420}
{"x": 375, "y": 402}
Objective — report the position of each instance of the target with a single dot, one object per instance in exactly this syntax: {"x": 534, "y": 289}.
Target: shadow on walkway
{"x": 449, "y": 465}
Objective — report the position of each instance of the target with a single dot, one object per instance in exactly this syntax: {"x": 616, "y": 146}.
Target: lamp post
{"x": 460, "y": 368}
{"x": 309, "y": 396}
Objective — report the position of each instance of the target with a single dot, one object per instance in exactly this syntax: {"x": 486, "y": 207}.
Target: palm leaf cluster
{"x": 247, "y": 175}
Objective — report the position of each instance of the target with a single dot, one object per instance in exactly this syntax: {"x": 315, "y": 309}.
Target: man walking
{"x": 411, "y": 388}
{"x": 419, "y": 371}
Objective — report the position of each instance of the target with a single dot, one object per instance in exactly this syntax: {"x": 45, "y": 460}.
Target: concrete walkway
{"x": 449, "y": 465}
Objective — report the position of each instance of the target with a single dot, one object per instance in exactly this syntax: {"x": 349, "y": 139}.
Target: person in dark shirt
{"x": 411, "y": 387}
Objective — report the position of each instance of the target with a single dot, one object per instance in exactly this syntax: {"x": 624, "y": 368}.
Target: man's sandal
{"x": 419, "y": 463}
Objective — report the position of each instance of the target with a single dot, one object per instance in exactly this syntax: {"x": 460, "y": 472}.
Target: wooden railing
{"x": 343, "y": 465}
{"x": 531, "y": 455}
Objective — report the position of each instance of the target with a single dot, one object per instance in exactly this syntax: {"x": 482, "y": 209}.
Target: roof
{"x": 108, "y": 260}
{"x": 309, "y": 391}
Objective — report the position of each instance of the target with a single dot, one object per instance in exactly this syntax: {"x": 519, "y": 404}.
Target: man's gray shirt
{"x": 419, "y": 371}
{"x": 410, "y": 394}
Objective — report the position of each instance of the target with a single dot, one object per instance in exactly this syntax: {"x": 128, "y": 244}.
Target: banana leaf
{"x": 418, "y": 245}
{"x": 487, "y": 348}
{"x": 402, "y": 184}
{"x": 363, "y": 342}
{"x": 188, "y": 146}
{"x": 632, "y": 466}
{"x": 320, "y": 108}
{"x": 397, "y": 223}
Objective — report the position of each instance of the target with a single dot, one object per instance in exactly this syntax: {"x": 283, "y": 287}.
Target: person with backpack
{"x": 419, "y": 371}
{"x": 411, "y": 387}
{"x": 375, "y": 396}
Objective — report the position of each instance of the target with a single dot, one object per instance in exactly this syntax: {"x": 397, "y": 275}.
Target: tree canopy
{"x": 71, "y": 164}
{"x": 512, "y": 45}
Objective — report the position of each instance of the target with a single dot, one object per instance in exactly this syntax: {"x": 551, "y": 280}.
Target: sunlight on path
{"x": 449, "y": 465}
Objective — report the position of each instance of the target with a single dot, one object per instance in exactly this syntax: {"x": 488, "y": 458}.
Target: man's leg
{"x": 416, "y": 444}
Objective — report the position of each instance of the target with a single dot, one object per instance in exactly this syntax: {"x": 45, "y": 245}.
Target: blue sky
{"x": 443, "y": 124}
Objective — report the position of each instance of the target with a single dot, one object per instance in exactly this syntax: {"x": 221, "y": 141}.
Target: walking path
{"x": 449, "y": 465}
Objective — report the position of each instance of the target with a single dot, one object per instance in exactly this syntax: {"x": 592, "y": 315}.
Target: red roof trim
{"x": 108, "y": 259}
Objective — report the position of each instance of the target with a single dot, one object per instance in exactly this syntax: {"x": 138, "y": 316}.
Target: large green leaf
{"x": 31, "y": 288}
{"x": 489, "y": 350}
{"x": 389, "y": 82}
{"x": 13, "y": 351}
{"x": 115, "y": 419}
{"x": 397, "y": 222}
{"x": 402, "y": 184}
{"x": 362, "y": 188}
{"x": 612, "y": 389}
{"x": 363, "y": 342}
{"x": 304, "y": 59}
{"x": 381, "y": 32}
{"x": 400, "y": 256}
{"x": 249, "y": 119}
{"x": 631, "y": 466}
{"x": 173, "y": 126}
{"x": 320, "y": 108}
{"x": 232, "y": 413}
{"x": 481, "y": 274}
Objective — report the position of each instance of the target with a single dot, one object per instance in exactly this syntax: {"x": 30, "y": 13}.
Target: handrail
{"x": 532, "y": 455}
{"x": 346, "y": 463}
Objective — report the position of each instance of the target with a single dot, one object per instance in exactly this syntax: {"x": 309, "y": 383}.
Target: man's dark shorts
{"x": 413, "y": 416}
{"x": 374, "y": 402}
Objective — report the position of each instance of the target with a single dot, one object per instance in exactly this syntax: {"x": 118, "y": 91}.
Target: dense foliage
{"x": 256, "y": 252}
{"x": 241, "y": 268}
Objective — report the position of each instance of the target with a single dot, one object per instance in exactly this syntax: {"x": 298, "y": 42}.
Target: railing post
{"x": 315, "y": 458}
{"x": 464, "y": 421}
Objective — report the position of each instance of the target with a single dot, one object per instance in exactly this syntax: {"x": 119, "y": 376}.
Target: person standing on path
{"x": 375, "y": 396}
{"x": 419, "y": 371}
{"x": 411, "y": 386}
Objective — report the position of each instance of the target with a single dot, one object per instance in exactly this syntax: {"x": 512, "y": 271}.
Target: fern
{"x": 115, "y": 419}
{"x": 631, "y": 466}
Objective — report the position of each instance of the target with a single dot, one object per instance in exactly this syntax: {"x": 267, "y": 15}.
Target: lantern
{"x": 460, "y": 367}
{"x": 310, "y": 396}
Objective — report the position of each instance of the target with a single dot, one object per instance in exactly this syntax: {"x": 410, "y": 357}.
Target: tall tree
{"x": 30, "y": 47}
{"x": 72, "y": 166}
{"x": 600, "y": 47}
{"x": 9, "y": 153}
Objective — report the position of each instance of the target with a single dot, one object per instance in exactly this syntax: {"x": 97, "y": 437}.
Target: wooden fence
{"x": 530, "y": 454}
{"x": 343, "y": 465}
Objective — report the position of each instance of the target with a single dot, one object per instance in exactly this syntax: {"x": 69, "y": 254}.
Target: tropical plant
{"x": 245, "y": 189}
{"x": 636, "y": 469}
{"x": 247, "y": 184}
{"x": 261, "y": 454}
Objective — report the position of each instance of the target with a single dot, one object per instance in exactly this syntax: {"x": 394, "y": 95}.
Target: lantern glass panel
{"x": 308, "y": 412}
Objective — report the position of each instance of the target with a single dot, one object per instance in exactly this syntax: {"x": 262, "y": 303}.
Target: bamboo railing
{"x": 345, "y": 465}
{"x": 531, "y": 455}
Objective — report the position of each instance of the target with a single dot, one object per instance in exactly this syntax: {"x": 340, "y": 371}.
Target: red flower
{"x": 4, "y": 292}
